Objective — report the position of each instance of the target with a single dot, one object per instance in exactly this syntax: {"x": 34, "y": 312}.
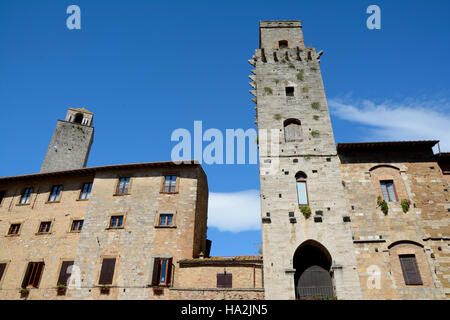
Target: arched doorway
{"x": 312, "y": 264}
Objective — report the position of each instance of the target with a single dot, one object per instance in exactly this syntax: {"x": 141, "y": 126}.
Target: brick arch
{"x": 387, "y": 172}
{"x": 409, "y": 248}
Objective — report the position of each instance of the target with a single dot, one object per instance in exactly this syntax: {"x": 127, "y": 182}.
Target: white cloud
{"x": 411, "y": 119}
{"x": 234, "y": 211}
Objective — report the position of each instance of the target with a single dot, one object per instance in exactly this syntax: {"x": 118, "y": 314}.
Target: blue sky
{"x": 146, "y": 68}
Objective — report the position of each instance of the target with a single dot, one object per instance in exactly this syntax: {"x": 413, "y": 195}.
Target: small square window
{"x": 55, "y": 193}
{"x": 116, "y": 222}
{"x": 14, "y": 229}
{"x": 166, "y": 219}
{"x": 224, "y": 280}
{"x": 77, "y": 225}
{"x": 289, "y": 91}
{"x": 282, "y": 44}
{"x": 45, "y": 227}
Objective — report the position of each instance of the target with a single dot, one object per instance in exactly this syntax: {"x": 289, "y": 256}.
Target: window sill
{"x": 82, "y": 200}
{"x": 74, "y": 231}
{"x": 165, "y": 227}
{"x": 121, "y": 194}
{"x": 22, "y": 204}
{"x": 42, "y": 233}
{"x": 50, "y": 202}
{"x": 164, "y": 192}
{"x": 12, "y": 235}
{"x": 115, "y": 228}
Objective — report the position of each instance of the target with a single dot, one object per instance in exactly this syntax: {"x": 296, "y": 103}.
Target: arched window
{"x": 292, "y": 130}
{"x": 302, "y": 189}
{"x": 78, "y": 118}
{"x": 282, "y": 44}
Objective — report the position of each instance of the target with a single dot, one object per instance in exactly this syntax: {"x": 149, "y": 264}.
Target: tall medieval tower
{"x": 71, "y": 142}
{"x": 299, "y": 173}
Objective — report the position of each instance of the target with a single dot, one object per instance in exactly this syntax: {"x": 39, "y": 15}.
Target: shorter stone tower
{"x": 71, "y": 142}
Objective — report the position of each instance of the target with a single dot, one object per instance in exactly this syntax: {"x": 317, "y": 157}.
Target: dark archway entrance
{"x": 78, "y": 118}
{"x": 312, "y": 278}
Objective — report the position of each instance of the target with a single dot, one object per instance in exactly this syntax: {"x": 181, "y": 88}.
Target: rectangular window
{"x": 86, "y": 191}
{"x": 107, "y": 272}
{"x": 65, "y": 272}
{"x": 2, "y": 195}
{"x": 162, "y": 271}
{"x": 26, "y": 194}
{"x": 77, "y": 225}
{"x": 55, "y": 193}
{"x": 14, "y": 228}
{"x": 45, "y": 227}
{"x": 116, "y": 222}
{"x": 33, "y": 274}
{"x": 302, "y": 193}
{"x": 410, "y": 270}
{"x": 224, "y": 280}
{"x": 2, "y": 270}
{"x": 123, "y": 185}
{"x": 170, "y": 183}
{"x": 165, "y": 219}
{"x": 388, "y": 190}
{"x": 289, "y": 91}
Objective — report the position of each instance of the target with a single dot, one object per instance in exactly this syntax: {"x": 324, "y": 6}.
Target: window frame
{"x": 116, "y": 193}
{"x": 283, "y": 44}
{"x": 297, "y": 180}
{"x": 61, "y": 264}
{"x": 110, "y": 227}
{"x": 163, "y": 180}
{"x": 296, "y": 122}
{"x": 288, "y": 95}
{"x": 3, "y": 275}
{"x": 157, "y": 274}
{"x": 158, "y": 220}
{"x": 88, "y": 193}
{"x": 113, "y": 279}
{"x": 22, "y": 195}
{"x": 224, "y": 286}
{"x": 49, "y": 228}
{"x": 59, "y": 194}
{"x": 387, "y": 190}
{"x": 72, "y": 222}
{"x": 18, "y": 231}
{"x": 36, "y": 282}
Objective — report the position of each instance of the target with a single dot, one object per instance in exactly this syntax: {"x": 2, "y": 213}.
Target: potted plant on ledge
{"x": 61, "y": 289}
{"x": 24, "y": 292}
{"x": 104, "y": 289}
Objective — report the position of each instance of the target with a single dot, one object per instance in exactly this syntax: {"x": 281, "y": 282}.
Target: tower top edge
{"x": 280, "y": 24}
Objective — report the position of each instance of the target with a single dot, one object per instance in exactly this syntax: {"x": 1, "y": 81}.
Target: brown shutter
{"x": 27, "y": 275}
{"x": 224, "y": 280}
{"x": 410, "y": 270}
{"x": 2, "y": 270}
{"x": 107, "y": 272}
{"x": 63, "y": 275}
{"x": 156, "y": 272}
{"x": 37, "y": 278}
{"x": 169, "y": 271}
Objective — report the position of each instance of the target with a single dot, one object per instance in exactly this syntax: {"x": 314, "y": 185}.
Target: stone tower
{"x": 299, "y": 171}
{"x": 71, "y": 142}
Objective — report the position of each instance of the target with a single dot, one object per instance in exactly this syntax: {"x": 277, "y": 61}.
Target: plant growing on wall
{"x": 305, "y": 89}
{"x": 306, "y": 211}
{"x": 314, "y": 69}
{"x": 277, "y": 116}
{"x": 300, "y": 75}
{"x": 276, "y": 81}
{"x": 291, "y": 66}
{"x": 315, "y": 105}
{"x": 268, "y": 90}
{"x": 315, "y": 133}
{"x": 315, "y": 117}
{"x": 383, "y": 205}
{"x": 405, "y": 205}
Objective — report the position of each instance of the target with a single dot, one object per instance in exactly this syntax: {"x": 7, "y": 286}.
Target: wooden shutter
{"x": 224, "y": 280}
{"x": 169, "y": 271}
{"x": 37, "y": 277}
{"x": 27, "y": 275}
{"x": 156, "y": 271}
{"x": 107, "y": 272}
{"x": 2, "y": 270}
{"x": 63, "y": 275}
{"x": 292, "y": 132}
{"x": 410, "y": 270}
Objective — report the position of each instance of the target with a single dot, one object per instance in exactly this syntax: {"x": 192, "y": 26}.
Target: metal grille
{"x": 315, "y": 282}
